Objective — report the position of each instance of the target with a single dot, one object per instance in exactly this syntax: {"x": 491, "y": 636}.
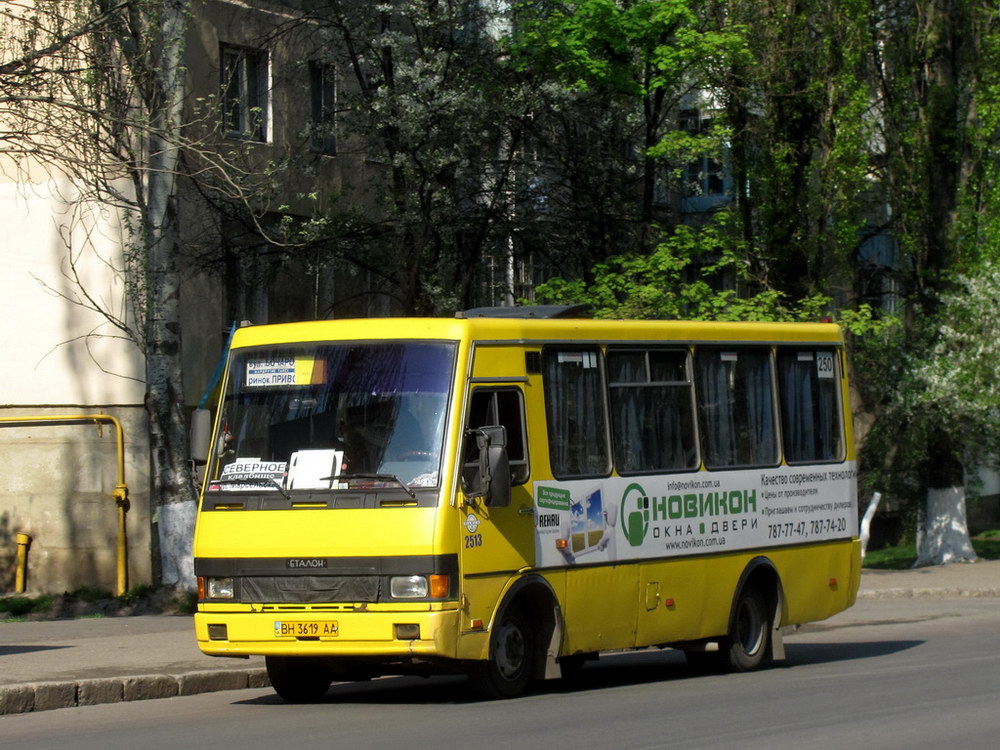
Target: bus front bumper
{"x": 377, "y": 634}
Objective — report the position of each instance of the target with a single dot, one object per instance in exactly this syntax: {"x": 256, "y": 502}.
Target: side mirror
{"x": 493, "y": 480}
{"x": 201, "y": 435}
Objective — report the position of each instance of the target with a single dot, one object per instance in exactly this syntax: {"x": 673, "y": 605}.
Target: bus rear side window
{"x": 736, "y": 407}
{"x": 576, "y": 413}
{"x": 809, "y": 384}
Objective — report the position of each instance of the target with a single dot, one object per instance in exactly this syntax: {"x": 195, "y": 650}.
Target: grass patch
{"x": 136, "y": 594}
{"x": 186, "y": 602}
{"x": 891, "y": 558}
{"x": 19, "y": 606}
{"x": 88, "y": 594}
{"x": 986, "y": 545}
{"x": 89, "y": 601}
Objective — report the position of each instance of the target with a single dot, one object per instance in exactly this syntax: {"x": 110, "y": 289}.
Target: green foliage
{"x": 632, "y": 49}
{"x": 186, "y": 602}
{"x": 867, "y": 321}
{"x": 135, "y": 594}
{"x": 803, "y": 127}
{"x": 19, "y": 606}
{"x": 683, "y": 278}
{"x": 932, "y": 382}
{"x": 88, "y": 594}
{"x": 902, "y": 557}
{"x": 89, "y": 601}
{"x": 957, "y": 379}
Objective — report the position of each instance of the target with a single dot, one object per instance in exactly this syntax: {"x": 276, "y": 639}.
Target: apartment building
{"x": 261, "y": 99}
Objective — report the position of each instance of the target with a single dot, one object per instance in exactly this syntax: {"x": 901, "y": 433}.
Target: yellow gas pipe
{"x": 23, "y": 540}
{"x": 120, "y": 493}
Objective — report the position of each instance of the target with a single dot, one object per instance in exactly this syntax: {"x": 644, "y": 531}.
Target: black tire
{"x": 298, "y": 679}
{"x": 744, "y": 648}
{"x": 508, "y": 670}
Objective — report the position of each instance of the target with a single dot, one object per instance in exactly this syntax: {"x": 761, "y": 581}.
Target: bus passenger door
{"x": 497, "y": 541}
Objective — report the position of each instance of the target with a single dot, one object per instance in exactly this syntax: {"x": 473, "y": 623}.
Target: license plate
{"x": 305, "y": 629}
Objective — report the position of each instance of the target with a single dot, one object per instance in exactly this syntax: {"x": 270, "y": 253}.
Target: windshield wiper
{"x": 258, "y": 480}
{"x": 377, "y": 477}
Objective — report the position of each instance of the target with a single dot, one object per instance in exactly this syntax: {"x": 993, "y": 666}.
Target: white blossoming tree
{"x": 941, "y": 416}
{"x": 958, "y": 384}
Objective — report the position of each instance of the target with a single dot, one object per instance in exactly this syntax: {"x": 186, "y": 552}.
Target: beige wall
{"x": 63, "y": 359}
{"x": 57, "y": 351}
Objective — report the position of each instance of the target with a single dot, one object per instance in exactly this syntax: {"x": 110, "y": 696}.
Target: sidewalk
{"x": 976, "y": 579}
{"x": 63, "y": 663}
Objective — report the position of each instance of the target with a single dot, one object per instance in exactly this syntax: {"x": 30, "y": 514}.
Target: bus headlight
{"x": 220, "y": 588}
{"x": 408, "y": 587}
{"x": 434, "y": 586}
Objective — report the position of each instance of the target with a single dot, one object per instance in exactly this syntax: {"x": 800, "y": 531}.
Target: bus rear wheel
{"x": 298, "y": 679}
{"x": 744, "y": 648}
{"x": 508, "y": 670}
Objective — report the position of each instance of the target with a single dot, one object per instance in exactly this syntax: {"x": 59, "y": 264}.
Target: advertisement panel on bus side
{"x": 634, "y": 518}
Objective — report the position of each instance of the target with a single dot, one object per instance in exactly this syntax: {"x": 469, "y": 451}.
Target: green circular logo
{"x": 635, "y": 514}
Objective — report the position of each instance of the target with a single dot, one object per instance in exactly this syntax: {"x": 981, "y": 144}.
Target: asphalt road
{"x": 886, "y": 674}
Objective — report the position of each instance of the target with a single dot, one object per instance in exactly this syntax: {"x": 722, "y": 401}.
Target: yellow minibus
{"x": 509, "y": 493}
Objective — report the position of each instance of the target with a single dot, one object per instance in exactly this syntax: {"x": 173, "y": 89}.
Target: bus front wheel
{"x": 298, "y": 679}
{"x": 744, "y": 648}
{"x": 508, "y": 670}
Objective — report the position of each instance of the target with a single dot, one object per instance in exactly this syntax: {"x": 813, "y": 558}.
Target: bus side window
{"x": 504, "y": 407}
{"x": 736, "y": 407}
{"x": 652, "y": 410}
{"x": 576, "y": 412}
{"x": 809, "y": 387}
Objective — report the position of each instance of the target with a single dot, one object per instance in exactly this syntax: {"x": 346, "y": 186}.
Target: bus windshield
{"x": 333, "y": 416}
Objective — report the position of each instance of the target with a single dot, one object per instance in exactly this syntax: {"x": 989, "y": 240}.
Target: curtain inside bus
{"x": 736, "y": 406}
{"x": 651, "y": 411}
{"x": 810, "y": 413}
{"x": 574, "y": 407}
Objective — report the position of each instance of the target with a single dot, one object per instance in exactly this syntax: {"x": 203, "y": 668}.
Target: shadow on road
{"x": 10, "y": 650}
{"x": 611, "y": 671}
{"x": 822, "y": 653}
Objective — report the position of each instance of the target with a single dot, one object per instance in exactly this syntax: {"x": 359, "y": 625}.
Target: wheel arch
{"x": 762, "y": 574}
{"x": 535, "y": 596}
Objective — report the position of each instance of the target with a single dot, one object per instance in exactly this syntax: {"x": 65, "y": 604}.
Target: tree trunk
{"x": 944, "y": 536}
{"x": 943, "y": 533}
{"x": 173, "y": 486}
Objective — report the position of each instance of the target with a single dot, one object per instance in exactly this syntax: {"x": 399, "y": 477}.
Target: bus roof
{"x": 534, "y": 331}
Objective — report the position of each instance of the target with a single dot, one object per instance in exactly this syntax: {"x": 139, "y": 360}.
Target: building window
{"x": 323, "y": 92}
{"x": 702, "y": 175}
{"x": 245, "y": 84}
{"x": 878, "y": 271}
{"x": 705, "y": 185}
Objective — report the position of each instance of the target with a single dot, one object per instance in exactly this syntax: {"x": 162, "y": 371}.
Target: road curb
{"x": 45, "y": 696}
{"x": 928, "y": 593}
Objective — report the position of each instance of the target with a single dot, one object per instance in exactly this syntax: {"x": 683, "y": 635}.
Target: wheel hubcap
{"x": 510, "y": 650}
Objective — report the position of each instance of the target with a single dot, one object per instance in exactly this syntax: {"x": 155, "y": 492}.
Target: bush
{"x": 18, "y": 606}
